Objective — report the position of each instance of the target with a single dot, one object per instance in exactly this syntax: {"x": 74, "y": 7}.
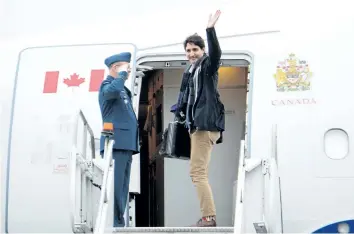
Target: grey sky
{"x": 26, "y": 17}
{"x": 156, "y": 21}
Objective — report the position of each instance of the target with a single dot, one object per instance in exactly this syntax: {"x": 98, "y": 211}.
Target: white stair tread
{"x": 174, "y": 230}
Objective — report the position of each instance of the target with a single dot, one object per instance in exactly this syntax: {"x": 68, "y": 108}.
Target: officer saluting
{"x": 116, "y": 107}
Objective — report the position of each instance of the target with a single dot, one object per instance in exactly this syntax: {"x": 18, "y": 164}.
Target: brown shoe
{"x": 204, "y": 223}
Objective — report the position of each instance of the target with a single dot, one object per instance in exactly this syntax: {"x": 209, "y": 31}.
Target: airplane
{"x": 285, "y": 165}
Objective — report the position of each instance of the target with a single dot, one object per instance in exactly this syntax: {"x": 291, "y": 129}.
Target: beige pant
{"x": 201, "y": 147}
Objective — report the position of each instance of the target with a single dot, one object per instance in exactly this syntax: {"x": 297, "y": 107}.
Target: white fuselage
{"x": 298, "y": 85}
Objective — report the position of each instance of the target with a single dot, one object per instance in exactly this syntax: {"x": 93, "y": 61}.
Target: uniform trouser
{"x": 201, "y": 147}
{"x": 122, "y": 166}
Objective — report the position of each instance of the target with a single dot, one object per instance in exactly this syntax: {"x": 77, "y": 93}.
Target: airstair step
{"x": 206, "y": 230}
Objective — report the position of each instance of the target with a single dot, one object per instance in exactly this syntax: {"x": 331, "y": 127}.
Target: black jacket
{"x": 209, "y": 111}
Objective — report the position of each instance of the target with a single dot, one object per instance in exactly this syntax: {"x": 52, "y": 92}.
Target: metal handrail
{"x": 106, "y": 187}
{"x": 239, "y": 190}
{"x": 89, "y": 129}
{"x": 80, "y": 116}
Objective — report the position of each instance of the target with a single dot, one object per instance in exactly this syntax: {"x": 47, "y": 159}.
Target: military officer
{"x": 115, "y": 102}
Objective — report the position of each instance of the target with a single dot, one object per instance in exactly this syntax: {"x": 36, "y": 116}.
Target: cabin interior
{"x": 168, "y": 197}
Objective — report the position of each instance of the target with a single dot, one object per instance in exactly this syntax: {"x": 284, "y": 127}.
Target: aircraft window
{"x": 336, "y": 143}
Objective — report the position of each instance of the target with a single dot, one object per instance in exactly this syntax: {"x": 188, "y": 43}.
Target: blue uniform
{"x": 116, "y": 107}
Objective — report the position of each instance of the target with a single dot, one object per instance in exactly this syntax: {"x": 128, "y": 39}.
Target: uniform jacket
{"x": 116, "y": 106}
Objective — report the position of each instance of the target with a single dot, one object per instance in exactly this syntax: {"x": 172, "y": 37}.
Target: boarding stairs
{"x": 85, "y": 168}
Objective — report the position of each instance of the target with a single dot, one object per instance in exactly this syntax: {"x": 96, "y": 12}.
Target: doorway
{"x": 168, "y": 197}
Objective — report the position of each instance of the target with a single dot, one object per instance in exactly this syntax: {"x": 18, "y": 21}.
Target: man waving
{"x": 200, "y": 106}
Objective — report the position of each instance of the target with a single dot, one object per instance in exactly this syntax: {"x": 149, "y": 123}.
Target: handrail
{"x": 267, "y": 165}
{"x": 239, "y": 190}
{"x": 74, "y": 153}
{"x": 106, "y": 187}
{"x": 89, "y": 129}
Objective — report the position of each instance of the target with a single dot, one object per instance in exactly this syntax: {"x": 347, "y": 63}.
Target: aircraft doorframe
{"x": 245, "y": 59}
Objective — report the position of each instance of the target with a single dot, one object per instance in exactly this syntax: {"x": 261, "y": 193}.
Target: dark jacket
{"x": 208, "y": 110}
{"x": 116, "y": 107}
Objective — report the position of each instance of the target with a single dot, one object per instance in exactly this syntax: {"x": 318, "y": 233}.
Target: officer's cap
{"x": 122, "y": 57}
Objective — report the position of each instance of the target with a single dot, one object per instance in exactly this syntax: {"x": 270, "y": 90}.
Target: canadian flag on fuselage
{"x": 52, "y": 79}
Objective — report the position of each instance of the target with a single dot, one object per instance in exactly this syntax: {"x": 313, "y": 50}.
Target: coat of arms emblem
{"x": 293, "y": 74}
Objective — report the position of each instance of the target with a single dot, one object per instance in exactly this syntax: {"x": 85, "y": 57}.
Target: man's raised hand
{"x": 213, "y": 19}
{"x": 123, "y": 67}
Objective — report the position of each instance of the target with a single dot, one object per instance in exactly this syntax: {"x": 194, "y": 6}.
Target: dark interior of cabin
{"x": 151, "y": 130}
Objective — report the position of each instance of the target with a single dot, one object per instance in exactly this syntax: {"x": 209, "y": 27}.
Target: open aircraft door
{"x": 45, "y": 191}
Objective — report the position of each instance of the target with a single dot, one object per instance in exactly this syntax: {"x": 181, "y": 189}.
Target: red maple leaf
{"x": 74, "y": 81}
